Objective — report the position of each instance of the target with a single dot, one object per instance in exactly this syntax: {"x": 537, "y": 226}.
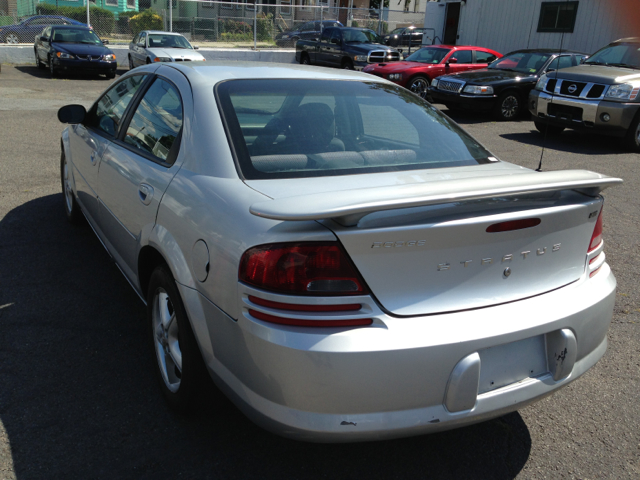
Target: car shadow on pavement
{"x": 572, "y": 142}
{"x": 44, "y": 73}
{"x": 469, "y": 117}
{"x": 78, "y": 397}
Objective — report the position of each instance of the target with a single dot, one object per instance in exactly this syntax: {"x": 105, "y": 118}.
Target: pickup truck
{"x": 602, "y": 95}
{"x": 350, "y": 48}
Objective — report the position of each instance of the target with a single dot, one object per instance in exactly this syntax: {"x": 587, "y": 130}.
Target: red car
{"x": 418, "y": 69}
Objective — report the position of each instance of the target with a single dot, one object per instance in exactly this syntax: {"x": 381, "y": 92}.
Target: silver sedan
{"x": 151, "y": 46}
{"x": 344, "y": 261}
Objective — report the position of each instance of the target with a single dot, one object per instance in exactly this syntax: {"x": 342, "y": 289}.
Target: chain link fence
{"x": 225, "y": 24}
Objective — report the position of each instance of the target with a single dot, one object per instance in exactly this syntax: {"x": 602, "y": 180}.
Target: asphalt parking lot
{"x": 78, "y": 398}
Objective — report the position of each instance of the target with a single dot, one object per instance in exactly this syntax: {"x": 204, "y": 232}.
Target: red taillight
{"x": 304, "y": 308}
{"x": 301, "y": 268}
{"x": 513, "y": 225}
{"x": 353, "y": 322}
{"x": 596, "y": 238}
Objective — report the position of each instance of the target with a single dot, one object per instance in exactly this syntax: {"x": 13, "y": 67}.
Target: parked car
{"x": 600, "y": 96}
{"x": 405, "y": 37}
{"x": 504, "y": 86}
{"x": 350, "y": 48}
{"x": 151, "y": 46}
{"x": 25, "y": 30}
{"x": 306, "y": 31}
{"x": 418, "y": 69}
{"x": 65, "y": 48}
{"x": 346, "y": 262}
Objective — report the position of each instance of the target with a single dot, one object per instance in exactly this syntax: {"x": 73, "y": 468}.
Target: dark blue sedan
{"x": 66, "y": 48}
{"x": 25, "y": 30}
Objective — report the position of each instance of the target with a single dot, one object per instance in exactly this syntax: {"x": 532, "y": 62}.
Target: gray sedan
{"x": 151, "y": 46}
{"x": 343, "y": 260}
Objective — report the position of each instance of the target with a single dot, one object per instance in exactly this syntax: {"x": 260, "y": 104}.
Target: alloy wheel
{"x": 12, "y": 38}
{"x": 419, "y": 87}
{"x": 509, "y": 107}
{"x": 166, "y": 340}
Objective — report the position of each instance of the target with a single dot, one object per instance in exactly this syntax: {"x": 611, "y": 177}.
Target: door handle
{"x": 93, "y": 157}
{"x": 146, "y": 193}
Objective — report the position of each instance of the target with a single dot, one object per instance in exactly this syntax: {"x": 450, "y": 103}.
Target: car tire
{"x": 110, "y": 75}
{"x": 39, "y": 64}
{"x": 11, "y": 39}
{"x": 293, "y": 42}
{"x": 131, "y": 65}
{"x": 347, "y": 64}
{"x": 419, "y": 85}
{"x": 304, "y": 59}
{"x": 52, "y": 69}
{"x": 180, "y": 368}
{"x": 148, "y": 60}
{"x": 549, "y": 129}
{"x": 71, "y": 207}
{"x": 508, "y": 106}
{"x": 633, "y": 135}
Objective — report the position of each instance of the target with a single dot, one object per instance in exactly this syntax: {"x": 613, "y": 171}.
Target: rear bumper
{"x": 400, "y": 376}
{"x": 471, "y": 102}
{"x": 583, "y": 114}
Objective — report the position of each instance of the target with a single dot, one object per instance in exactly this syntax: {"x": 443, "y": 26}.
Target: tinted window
{"x": 157, "y": 121}
{"x": 107, "y": 113}
{"x": 326, "y": 35}
{"x": 484, "y": 57}
{"x": 428, "y": 55}
{"x": 561, "y": 62}
{"x": 463, "y": 56}
{"x": 331, "y": 127}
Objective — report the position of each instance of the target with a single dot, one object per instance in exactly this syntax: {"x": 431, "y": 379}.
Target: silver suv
{"x": 601, "y": 95}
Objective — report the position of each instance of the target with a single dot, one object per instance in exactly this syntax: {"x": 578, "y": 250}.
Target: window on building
{"x": 557, "y": 16}
{"x": 285, "y": 7}
{"x": 131, "y": 3}
{"x": 111, "y": 2}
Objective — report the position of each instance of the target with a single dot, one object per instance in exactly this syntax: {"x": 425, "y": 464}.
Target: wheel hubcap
{"x": 419, "y": 87}
{"x": 68, "y": 193}
{"x": 638, "y": 135}
{"x": 12, "y": 38}
{"x": 166, "y": 340}
{"x": 509, "y": 107}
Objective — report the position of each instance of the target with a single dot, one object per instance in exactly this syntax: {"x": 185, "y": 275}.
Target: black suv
{"x": 306, "y": 31}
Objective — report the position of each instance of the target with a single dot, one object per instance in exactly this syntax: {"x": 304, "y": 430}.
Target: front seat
{"x": 312, "y": 129}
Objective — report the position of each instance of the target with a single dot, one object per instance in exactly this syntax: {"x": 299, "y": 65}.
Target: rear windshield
{"x": 286, "y": 128}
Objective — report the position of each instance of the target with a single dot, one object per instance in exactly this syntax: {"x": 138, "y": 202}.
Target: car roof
{"x": 162, "y": 32}
{"x": 207, "y": 74}
{"x": 554, "y": 51}
{"x": 75, "y": 27}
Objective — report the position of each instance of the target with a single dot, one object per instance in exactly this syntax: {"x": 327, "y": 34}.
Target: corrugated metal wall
{"x": 507, "y": 25}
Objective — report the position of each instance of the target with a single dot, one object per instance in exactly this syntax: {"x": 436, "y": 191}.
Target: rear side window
{"x": 107, "y": 113}
{"x": 560, "y": 62}
{"x": 157, "y": 121}
{"x": 334, "y": 127}
{"x": 484, "y": 57}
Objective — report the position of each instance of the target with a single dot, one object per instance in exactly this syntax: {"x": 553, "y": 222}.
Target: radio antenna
{"x": 546, "y": 130}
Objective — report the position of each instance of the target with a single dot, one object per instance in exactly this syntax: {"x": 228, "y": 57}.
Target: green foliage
{"x": 264, "y": 26}
{"x": 102, "y": 20}
{"x": 146, "y": 20}
{"x": 237, "y": 37}
{"x": 7, "y": 21}
{"x": 354, "y": 24}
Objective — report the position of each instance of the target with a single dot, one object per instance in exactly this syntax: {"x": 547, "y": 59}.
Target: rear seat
{"x": 332, "y": 160}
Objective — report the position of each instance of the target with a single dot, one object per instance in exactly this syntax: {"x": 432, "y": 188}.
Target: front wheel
{"x": 110, "y": 75}
{"x": 131, "y": 65}
{"x": 12, "y": 39}
{"x": 179, "y": 363}
{"x": 72, "y": 209}
{"x": 304, "y": 59}
{"x": 549, "y": 129}
{"x": 38, "y": 62}
{"x": 347, "y": 64}
{"x": 419, "y": 85}
{"x": 507, "y": 107}
{"x": 52, "y": 70}
{"x": 633, "y": 135}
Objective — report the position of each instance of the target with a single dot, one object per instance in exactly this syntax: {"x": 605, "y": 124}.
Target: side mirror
{"x": 140, "y": 45}
{"x": 105, "y": 41}
{"x": 584, "y": 59}
{"x": 453, "y": 60}
{"x": 196, "y": 48}
{"x": 548, "y": 70}
{"x": 43, "y": 39}
{"x": 72, "y": 114}
{"x": 335, "y": 41}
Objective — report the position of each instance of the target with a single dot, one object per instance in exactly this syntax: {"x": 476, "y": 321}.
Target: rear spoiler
{"x": 348, "y": 207}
